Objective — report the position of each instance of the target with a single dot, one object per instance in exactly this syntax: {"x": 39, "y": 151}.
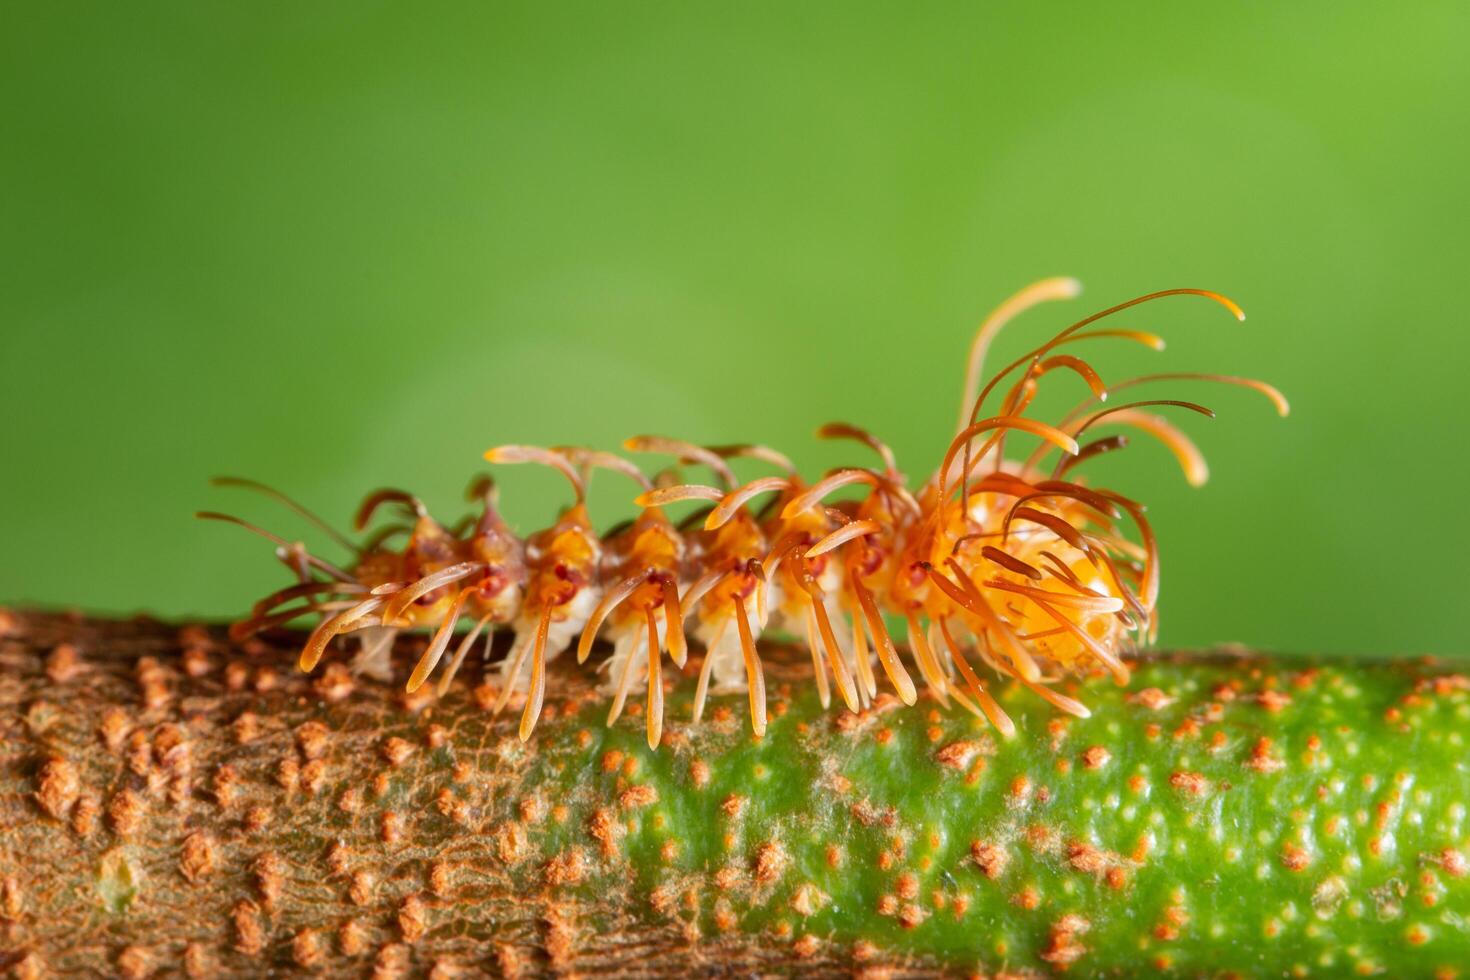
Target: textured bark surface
{"x": 170, "y": 805}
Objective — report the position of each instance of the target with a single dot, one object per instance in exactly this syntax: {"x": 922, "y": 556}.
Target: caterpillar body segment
{"x": 563, "y": 587}
{"x": 731, "y": 590}
{"x": 435, "y": 572}
{"x": 640, "y": 611}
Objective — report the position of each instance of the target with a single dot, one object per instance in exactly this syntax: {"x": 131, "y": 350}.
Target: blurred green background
{"x": 338, "y": 245}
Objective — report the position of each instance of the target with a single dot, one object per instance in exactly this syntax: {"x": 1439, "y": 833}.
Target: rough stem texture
{"x": 170, "y": 805}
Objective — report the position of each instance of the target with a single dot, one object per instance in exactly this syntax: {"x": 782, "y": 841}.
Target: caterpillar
{"x": 990, "y": 568}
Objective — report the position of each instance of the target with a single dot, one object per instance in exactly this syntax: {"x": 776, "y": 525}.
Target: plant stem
{"x": 172, "y": 805}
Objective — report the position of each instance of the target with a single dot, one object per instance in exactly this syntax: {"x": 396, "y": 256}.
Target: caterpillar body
{"x": 991, "y": 568}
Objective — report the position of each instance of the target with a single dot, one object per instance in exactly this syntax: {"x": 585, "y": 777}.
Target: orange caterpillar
{"x": 993, "y": 567}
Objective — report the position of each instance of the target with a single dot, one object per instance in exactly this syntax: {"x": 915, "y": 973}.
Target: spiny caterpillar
{"x": 1019, "y": 567}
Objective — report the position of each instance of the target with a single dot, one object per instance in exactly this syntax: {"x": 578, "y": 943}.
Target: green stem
{"x": 1224, "y": 814}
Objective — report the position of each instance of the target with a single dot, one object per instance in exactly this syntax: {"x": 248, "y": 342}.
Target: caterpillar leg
{"x": 817, "y": 610}
{"x": 867, "y": 682}
{"x": 639, "y": 649}
{"x": 674, "y": 638}
{"x": 344, "y": 621}
{"x": 304, "y": 589}
{"x": 624, "y": 663}
{"x": 1055, "y": 698}
{"x": 755, "y": 677}
{"x": 725, "y": 657}
{"x": 655, "y": 706}
{"x": 262, "y": 620}
{"x": 711, "y": 653}
{"x": 992, "y": 710}
{"x": 887, "y": 654}
{"x": 374, "y": 657}
{"x": 510, "y": 667}
{"x": 537, "y": 694}
{"x": 610, "y": 601}
{"x": 928, "y": 666}
{"x": 819, "y": 670}
{"x": 440, "y": 642}
{"x": 463, "y": 649}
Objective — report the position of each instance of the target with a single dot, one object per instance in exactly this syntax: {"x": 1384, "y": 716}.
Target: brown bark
{"x": 170, "y": 805}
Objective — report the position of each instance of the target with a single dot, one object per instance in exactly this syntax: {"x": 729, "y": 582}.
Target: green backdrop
{"x": 338, "y": 245}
